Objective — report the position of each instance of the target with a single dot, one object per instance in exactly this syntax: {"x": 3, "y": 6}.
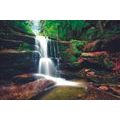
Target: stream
{"x": 49, "y": 52}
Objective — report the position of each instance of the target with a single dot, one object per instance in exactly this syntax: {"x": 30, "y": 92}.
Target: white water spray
{"x": 46, "y": 65}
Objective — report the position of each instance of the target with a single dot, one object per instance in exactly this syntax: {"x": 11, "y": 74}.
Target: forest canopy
{"x": 79, "y": 29}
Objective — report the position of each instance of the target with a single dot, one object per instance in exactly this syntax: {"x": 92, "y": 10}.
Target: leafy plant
{"x": 77, "y": 46}
{"x": 73, "y": 52}
{"x": 63, "y": 29}
{"x": 73, "y": 59}
{"x": 24, "y": 25}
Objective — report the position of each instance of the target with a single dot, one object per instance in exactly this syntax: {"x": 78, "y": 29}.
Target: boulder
{"x": 25, "y": 78}
{"x": 25, "y": 91}
{"x": 99, "y": 93}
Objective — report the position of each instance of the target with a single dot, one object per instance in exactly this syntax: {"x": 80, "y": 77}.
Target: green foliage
{"x": 78, "y": 44}
{"x": 80, "y": 29}
{"x": 89, "y": 34}
{"x": 69, "y": 57}
{"x": 50, "y": 28}
{"x": 76, "y": 47}
{"x": 71, "y": 54}
{"x": 25, "y": 47}
{"x": 63, "y": 29}
{"x": 24, "y": 25}
{"x": 73, "y": 59}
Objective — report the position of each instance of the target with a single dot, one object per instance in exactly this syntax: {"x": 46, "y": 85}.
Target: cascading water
{"x": 46, "y": 65}
{"x": 48, "y": 50}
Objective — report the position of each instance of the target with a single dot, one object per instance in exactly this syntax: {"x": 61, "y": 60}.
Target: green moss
{"x": 65, "y": 93}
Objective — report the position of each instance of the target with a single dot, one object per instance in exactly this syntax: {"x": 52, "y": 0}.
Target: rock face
{"x": 15, "y": 44}
{"x": 101, "y": 61}
{"x": 17, "y": 54}
{"x": 100, "y": 93}
{"x": 9, "y": 44}
{"x": 111, "y": 45}
{"x": 18, "y": 63}
{"x": 17, "y": 37}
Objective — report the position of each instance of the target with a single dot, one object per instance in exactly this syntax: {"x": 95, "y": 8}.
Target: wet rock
{"x": 115, "y": 90}
{"x": 14, "y": 58}
{"x": 73, "y": 67}
{"x": 25, "y": 38}
{"x": 25, "y": 91}
{"x": 103, "y": 87}
{"x": 25, "y": 78}
{"x": 18, "y": 63}
{"x": 70, "y": 75}
{"x": 16, "y": 45}
{"x": 102, "y": 78}
{"x": 102, "y": 93}
{"x": 9, "y": 44}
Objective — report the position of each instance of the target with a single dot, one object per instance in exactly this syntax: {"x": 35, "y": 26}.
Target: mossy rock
{"x": 65, "y": 93}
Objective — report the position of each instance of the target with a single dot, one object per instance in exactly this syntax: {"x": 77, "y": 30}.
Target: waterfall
{"x": 46, "y": 65}
{"x": 49, "y": 52}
